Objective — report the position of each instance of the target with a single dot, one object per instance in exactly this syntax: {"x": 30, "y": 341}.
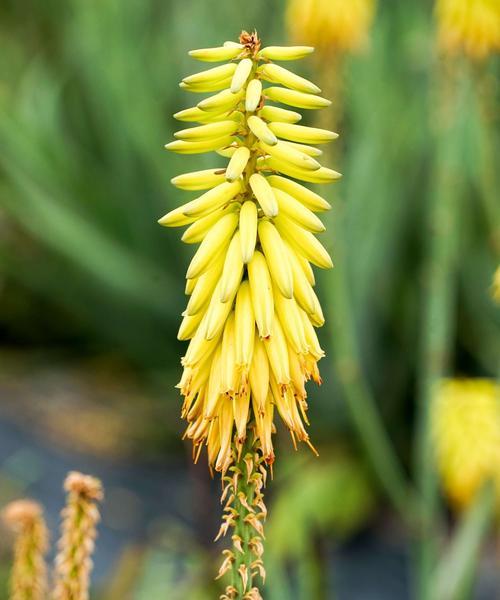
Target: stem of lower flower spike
{"x": 438, "y": 317}
{"x": 246, "y": 511}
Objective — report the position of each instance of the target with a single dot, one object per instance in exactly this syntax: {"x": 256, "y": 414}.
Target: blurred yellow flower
{"x": 466, "y": 432}
{"x": 469, "y": 26}
{"x": 331, "y": 25}
{"x": 495, "y": 288}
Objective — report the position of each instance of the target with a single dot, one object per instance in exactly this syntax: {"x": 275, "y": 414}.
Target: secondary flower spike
{"x": 252, "y": 312}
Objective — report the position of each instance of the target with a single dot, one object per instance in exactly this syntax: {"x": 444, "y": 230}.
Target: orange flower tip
{"x": 84, "y": 485}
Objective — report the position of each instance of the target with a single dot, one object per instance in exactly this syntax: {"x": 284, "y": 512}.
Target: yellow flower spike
{"x": 252, "y": 98}
{"x": 199, "y": 180}
{"x": 297, "y": 99}
{"x": 237, "y": 163}
{"x": 262, "y": 294}
{"x": 248, "y": 230}
{"x": 264, "y": 194}
{"x": 259, "y": 128}
{"x": 252, "y": 310}
{"x": 466, "y": 433}
{"x": 470, "y": 27}
{"x": 241, "y": 75}
{"x": 304, "y": 135}
{"x": 277, "y": 114}
{"x": 277, "y": 74}
{"x": 333, "y": 26}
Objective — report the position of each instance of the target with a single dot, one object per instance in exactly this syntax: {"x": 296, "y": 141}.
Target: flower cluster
{"x": 466, "y": 432}
{"x": 331, "y": 25}
{"x": 471, "y": 27}
{"x": 252, "y": 310}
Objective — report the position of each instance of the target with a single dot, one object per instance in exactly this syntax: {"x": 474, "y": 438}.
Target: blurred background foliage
{"x": 91, "y": 288}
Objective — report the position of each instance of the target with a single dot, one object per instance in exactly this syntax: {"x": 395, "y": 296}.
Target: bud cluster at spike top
{"x": 252, "y": 309}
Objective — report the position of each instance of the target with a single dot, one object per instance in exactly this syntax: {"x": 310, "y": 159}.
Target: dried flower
{"x": 333, "y": 26}
{"x": 466, "y": 431}
{"x": 252, "y": 311}
{"x": 29, "y": 573}
{"x": 471, "y": 27}
{"x": 78, "y": 533}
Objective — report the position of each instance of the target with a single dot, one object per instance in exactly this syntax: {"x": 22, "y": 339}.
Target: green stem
{"x": 361, "y": 403}
{"x": 455, "y": 573}
{"x": 437, "y": 322}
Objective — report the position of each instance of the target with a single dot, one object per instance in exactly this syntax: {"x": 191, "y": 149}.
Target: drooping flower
{"x": 29, "y": 572}
{"x": 471, "y": 27}
{"x": 333, "y": 26}
{"x": 73, "y": 563}
{"x": 466, "y": 433}
{"x": 252, "y": 310}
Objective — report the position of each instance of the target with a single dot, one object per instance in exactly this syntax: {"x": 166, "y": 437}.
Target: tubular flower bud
{"x": 331, "y": 25}
{"x": 466, "y": 432}
{"x": 29, "y": 572}
{"x": 73, "y": 563}
{"x": 471, "y": 27}
{"x": 251, "y": 316}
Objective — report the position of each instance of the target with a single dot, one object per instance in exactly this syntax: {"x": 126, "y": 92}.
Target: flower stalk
{"x": 252, "y": 312}
{"x": 29, "y": 573}
{"x": 73, "y": 563}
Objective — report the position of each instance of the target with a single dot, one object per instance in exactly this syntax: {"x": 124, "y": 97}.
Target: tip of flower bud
{"x": 21, "y": 513}
{"x": 84, "y": 485}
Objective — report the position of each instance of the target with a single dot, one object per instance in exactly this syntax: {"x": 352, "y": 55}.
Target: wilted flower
{"x": 253, "y": 309}
{"x": 471, "y": 27}
{"x": 333, "y": 26}
{"x": 466, "y": 431}
{"x": 29, "y": 572}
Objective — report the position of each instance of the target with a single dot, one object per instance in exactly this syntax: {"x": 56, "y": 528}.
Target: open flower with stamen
{"x": 466, "y": 433}
{"x": 29, "y": 572}
{"x": 471, "y": 27}
{"x": 252, "y": 312}
{"x": 333, "y": 26}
